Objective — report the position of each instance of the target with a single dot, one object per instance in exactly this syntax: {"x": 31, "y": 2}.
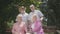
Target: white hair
{"x": 18, "y": 16}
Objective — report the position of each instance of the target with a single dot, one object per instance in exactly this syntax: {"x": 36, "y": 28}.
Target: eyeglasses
{"x": 23, "y": 8}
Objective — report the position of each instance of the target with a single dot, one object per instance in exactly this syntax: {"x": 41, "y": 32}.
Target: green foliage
{"x": 10, "y": 24}
{"x": 9, "y": 11}
{"x": 54, "y": 16}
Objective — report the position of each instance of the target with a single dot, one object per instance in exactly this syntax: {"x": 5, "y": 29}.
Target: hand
{"x": 41, "y": 18}
{"x": 28, "y": 33}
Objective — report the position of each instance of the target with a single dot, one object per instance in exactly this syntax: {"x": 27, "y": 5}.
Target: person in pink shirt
{"x": 36, "y": 26}
{"x": 19, "y": 27}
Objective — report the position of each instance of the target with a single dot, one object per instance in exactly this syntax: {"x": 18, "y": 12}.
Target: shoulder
{"x": 30, "y": 13}
{"x": 37, "y": 10}
{"x": 19, "y": 14}
{"x": 14, "y": 24}
{"x": 26, "y": 13}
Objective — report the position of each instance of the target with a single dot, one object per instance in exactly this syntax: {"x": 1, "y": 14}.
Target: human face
{"x": 32, "y": 8}
{"x": 19, "y": 19}
{"x": 34, "y": 18}
{"x": 22, "y": 9}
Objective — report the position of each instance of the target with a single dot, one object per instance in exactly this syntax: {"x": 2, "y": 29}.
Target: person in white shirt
{"x": 23, "y": 13}
{"x": 34, "y": 11}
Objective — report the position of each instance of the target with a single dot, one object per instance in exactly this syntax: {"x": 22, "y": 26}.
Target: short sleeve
{"x": 40, "y": 14}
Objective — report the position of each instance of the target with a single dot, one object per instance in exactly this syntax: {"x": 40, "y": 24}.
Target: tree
{"x": 9, "y": 11}
{"x": 55, "y": 6}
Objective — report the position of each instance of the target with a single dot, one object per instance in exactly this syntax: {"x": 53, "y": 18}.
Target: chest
{"x": 19, "y": 26}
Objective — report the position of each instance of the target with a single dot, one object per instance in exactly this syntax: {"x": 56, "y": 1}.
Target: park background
{"x": 50, "y": 9}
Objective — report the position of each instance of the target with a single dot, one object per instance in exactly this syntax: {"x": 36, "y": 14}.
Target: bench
{"x": 49, "y": 28}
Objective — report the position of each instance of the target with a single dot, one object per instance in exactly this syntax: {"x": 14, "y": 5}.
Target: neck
{"x": 35, "y": 20}
{"x": 23, "y": 12}
{"x": 33, "y": 11}
{"x": 19, "y": 22}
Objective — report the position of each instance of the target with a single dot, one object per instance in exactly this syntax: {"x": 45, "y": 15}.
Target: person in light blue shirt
{"x": 23, "y": 13}
{"x": 34, "y": 11}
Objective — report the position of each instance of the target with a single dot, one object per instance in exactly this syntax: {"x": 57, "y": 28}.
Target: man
{"x": 34, "y": 11}
{"x": 23, "y": 13}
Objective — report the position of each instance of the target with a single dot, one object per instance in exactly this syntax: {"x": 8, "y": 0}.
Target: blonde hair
{"x": 34, "y": 15}
{"x": 19, "y": 16}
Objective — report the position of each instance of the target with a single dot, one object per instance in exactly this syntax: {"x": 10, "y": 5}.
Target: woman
{"x": 36, "y": 26}
{"x": 19, "y": 27}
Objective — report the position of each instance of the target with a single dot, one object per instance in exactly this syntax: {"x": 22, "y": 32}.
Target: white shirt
{"x": 33, "y": 26}
{"x": 37, "y": 12}
{"x": 24, "y": 17}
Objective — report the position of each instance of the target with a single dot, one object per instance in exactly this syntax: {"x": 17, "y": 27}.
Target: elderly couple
{"x": 28, "y": 23}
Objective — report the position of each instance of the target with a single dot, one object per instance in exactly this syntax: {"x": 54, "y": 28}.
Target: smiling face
{"x": 19, "y": 18}
{"x": 34, "y": 18}
{"x": 22, "y": 9}
{"x": 32, "y": 7}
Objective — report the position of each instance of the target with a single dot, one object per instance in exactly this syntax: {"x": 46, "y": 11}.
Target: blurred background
{"x": 50, "y": 9}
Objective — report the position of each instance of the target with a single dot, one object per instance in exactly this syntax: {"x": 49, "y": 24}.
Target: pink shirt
{"x": 19, "y": 28}
{"x": 37, "y": 27}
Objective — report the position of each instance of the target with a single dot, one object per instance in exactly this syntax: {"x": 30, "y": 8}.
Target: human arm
{"x": 13, "y": 29}
{"x": 40, "y": 14}
{"x": 37, "y": 26}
